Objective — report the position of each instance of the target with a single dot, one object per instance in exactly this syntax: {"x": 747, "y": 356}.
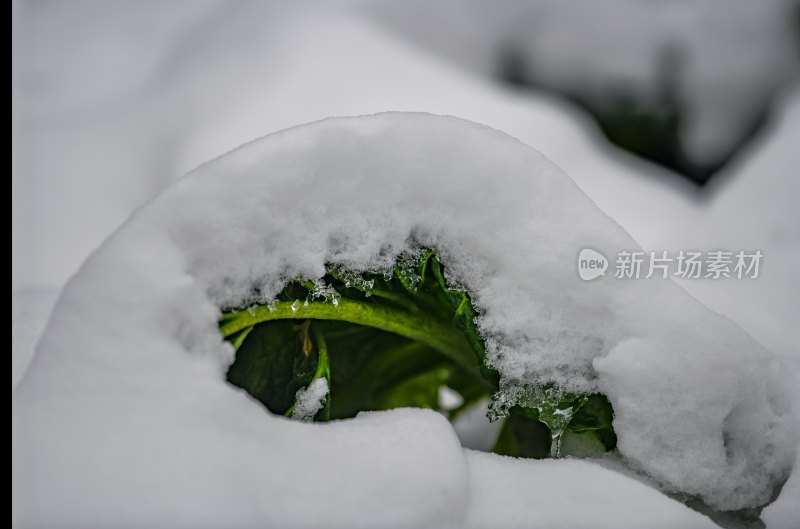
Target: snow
{"x": 310, "y": 400}
{"x": 93, "y": 141}
{"x": 531, "y": 493}
{"x": 749, "y": 206}
{"x": 474, "y": 429}
{"x": 227, "y": 75}
{"x": 784, "y": 513}
{"x": 214, "y": 458}
{"x": 449, "y": 399}
{"x": 30, "y": 309}
{"x": 723, "y": 59}
{"x": 130, "y": 368}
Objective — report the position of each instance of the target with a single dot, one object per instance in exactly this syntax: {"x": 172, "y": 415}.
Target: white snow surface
{"x": 30, "y": 309}
{"x": 201, "y": 78}
{"x": 130, "y": 370}
{"x": 785, "y": 512}
{"x": 519, "y": 488}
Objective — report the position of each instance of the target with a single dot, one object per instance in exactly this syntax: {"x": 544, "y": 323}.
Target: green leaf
{"x": 420, "y": 391}
{"x": 271, "y": 365}
{"x": 523, "y": 435}
{"x": 590, "y": 432}
{"x": 367, "y": 367}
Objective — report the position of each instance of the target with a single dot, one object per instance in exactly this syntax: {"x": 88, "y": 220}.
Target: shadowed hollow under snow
{"x": 127, "y": 388}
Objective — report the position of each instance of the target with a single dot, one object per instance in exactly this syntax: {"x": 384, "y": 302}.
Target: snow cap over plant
{"x": 700, "y": 406}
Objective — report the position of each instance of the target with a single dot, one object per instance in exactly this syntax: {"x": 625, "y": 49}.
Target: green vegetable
{"x": 386, "y": 340}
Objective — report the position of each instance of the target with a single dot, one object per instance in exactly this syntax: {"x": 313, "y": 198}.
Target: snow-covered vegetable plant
{"x": 126, "y": 415}
{"x": 395, "y": 338}
{"x": 351, "y": 342}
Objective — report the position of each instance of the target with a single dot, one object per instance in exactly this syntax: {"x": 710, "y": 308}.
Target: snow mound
{"x": 596, "y": 497}
{"x": 130, "y": 370}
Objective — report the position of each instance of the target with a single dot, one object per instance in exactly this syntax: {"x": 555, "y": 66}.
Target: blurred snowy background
{"x": 679, "y": 118}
